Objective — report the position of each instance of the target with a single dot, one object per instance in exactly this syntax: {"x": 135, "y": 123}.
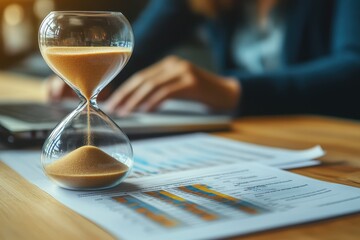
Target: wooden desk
{"x": 26, "y": 212}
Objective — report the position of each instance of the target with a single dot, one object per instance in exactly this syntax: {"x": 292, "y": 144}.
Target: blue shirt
{"x": 257, "y": 46}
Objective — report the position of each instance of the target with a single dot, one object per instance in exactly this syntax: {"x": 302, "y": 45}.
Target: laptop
{"x": 30, "y": 122}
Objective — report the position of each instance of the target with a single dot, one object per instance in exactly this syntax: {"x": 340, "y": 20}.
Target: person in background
{"x": 272, "y": 57}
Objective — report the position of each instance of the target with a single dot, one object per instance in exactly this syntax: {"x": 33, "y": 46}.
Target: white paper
{"x": 299, "y": 164}
{"x": 186, "y": 152}
{"x": 169, "y": 154}
{"x": 204, "y": 203}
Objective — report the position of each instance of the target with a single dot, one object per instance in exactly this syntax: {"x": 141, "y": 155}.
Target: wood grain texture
{"x": 26, "y": 212}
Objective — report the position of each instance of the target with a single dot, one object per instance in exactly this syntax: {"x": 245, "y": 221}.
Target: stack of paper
{"x": 169, "y": 154}
{"x": 199, "y": 186}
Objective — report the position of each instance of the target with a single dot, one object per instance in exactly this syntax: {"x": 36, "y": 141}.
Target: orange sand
{"x": 86, "y": 167}
{"x": 86, "y": 67}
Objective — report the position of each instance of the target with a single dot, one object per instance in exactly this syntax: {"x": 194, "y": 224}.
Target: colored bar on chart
{"x": 206, "y": 192}
{"x": 150, "y": 212}
{"x": 189, "y": 206}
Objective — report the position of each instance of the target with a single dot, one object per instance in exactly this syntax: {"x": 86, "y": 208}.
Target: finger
{"x": 139, "y": 97}
{"x": 131, "y": 85}
{"x": 124, "y": 91}
{"x": 174, "y": 90}
{"x": 144, "y": 92}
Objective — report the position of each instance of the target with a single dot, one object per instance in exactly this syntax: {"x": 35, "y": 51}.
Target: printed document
{"x": 213, "y": 202}
{"x": 186, "y": 152}
{"x": 169, "y": 154}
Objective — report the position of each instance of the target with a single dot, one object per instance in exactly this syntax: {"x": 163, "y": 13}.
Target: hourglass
{"x": 87, "y": 150}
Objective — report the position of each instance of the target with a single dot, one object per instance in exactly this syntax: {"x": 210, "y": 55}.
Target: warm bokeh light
{"x": 13, "y": 14}
{"x": 17, "y": 29}
{"x": 43, "y": 7}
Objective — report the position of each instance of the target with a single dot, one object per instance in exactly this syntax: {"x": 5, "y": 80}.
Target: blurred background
{"x": 20, "y": 20}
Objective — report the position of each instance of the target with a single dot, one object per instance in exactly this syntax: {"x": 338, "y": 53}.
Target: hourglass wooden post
{"x": 87, "y": 150}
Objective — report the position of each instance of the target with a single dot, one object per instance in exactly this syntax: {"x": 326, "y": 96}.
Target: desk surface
{"x": 26, "y": 212}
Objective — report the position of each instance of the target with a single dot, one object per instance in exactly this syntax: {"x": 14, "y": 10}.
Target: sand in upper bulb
{"x": 87, "y": 167}
{"x": 86, "y": 67}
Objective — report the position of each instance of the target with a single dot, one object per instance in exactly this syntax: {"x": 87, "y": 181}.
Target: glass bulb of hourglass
{"x": 87, "y": 150}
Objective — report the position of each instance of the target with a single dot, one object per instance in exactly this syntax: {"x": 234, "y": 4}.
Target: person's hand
{"x": 57, "y": 89}
{"x": 174, "y": 78}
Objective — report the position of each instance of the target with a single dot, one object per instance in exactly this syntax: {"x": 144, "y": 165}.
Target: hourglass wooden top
{"x": 86, "y": 67}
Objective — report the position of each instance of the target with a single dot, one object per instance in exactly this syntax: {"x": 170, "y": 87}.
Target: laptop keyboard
{"x": 34, "y": 113}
